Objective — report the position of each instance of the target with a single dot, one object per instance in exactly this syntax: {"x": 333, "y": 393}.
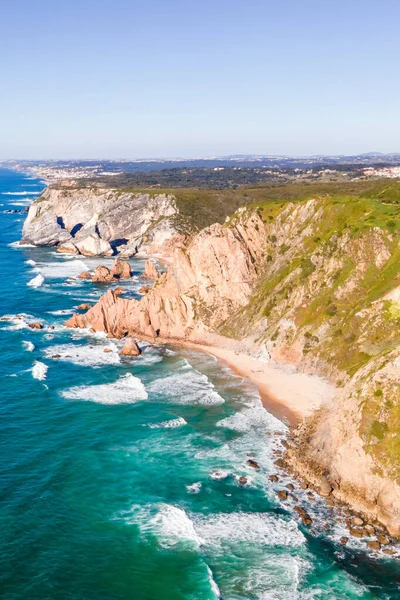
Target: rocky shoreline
{"x": 302, "y": 479}
{"x": 279, "y": 284}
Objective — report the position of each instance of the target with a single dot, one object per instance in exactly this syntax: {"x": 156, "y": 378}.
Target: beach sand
{"x": 284, "y": 392}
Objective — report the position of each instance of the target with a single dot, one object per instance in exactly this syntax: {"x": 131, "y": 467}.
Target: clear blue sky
{"x": 167, "y": 78}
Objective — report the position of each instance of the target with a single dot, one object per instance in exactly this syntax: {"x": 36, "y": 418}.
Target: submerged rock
{"x": 253, "y": 464}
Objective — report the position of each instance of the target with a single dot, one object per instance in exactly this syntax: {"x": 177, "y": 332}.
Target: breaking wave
{"x": 85, "y": 355}
{"x": 186, "y": 386}
{"x": 126, "y": 390}
{"x": 39, "y": 371}
{"x": 36, "y": 282}
{"x": 29, "y": 347}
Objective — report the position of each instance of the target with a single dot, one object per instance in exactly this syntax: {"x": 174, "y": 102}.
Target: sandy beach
{"x": 285, "y": 392}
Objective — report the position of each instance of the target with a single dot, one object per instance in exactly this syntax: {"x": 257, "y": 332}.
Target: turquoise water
{"x": 119, "y": 476}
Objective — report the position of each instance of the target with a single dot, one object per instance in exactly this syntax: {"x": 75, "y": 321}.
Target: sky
{"x": 170, "y": 78}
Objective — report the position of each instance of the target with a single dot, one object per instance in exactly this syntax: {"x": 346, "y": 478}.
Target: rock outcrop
{"x": 97, "y": 222}
{"x": 209, "y": 281}
{"x": 120, "y": 270}
{"x": 150, "y": 271}
{"x": 131, "y": 348}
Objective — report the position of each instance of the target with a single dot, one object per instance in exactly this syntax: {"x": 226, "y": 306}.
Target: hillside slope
{"x": 314, "y": 283}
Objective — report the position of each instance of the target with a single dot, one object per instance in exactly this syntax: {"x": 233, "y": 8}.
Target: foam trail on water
{"x": 126, "y": 390}
{"x": 36, "y": 282}
{"x": 20, "y": 193}
{"x": 194, "y": 488}
{"x": 39, "y": 371}
{"x": 214, "y": 587}
{"x": 172, "y": 424}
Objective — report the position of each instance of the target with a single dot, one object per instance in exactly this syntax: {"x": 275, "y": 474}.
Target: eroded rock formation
{"x": 150, "y": 271}
{"x": 96, "y": 222}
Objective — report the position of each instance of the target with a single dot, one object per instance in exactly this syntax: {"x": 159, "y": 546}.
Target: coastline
{"x": 286, "y": 392}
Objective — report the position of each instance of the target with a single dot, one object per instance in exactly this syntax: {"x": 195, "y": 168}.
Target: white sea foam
{"x": 61, "y": 312}
{"x": 214, "y": 587}
{"x": 218, "y": 475}
{"x": 126, "y": 390}
{"x": 239, "y": 527}
{"x": 172, "y": 424}
{"x": 85, "y": 355}
{"x": 63, "y": 269}
{"x": 39, "y": 370}
{"x": 17, "y": 321}
{"x": 173, "y": 525}
{"x": 251, "y": 418}
{"x": 29, "y": 347}
{"x": 194, "y": 488}
{"x": 18, "y": 244}
{"x": 36, "y": 282}
{"x": 31, "y": 263}
{"x": 186, "y": 386}
{"x": 170, "y": 524}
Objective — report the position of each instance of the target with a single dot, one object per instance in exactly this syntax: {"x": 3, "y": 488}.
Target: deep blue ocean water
{"x": 119, "y": 476}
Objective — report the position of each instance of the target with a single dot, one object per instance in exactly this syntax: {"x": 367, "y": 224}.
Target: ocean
{"x": 119, "y": 476}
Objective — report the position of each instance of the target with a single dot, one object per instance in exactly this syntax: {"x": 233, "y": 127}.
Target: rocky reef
{"x": 312, "y": 283}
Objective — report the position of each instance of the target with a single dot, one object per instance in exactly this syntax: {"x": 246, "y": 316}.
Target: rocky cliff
{"x": 93, "y": 221}
{"x": 314, "y": 283}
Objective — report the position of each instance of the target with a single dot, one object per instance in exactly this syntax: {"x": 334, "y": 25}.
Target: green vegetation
{"x": 328, "y": 275}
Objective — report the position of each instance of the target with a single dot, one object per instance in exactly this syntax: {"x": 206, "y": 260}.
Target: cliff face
{"x": 209, "y": 281}
{"x": 93, "y": 221}
{"x": 313, "y": 283}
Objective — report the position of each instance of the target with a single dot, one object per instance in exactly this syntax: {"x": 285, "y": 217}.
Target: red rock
{"x": 121, "y": 269}
{"x": 131, "y": 348}
{"x": 383, "y": 539}
{"x": 150, "y": 271}
{"x": 85, "y": 275}
{"x": 36, "y": 325}
{"x": 102, "y": 274}
{"x": 84, "y": 306}
{"x": 374, "y": 545}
